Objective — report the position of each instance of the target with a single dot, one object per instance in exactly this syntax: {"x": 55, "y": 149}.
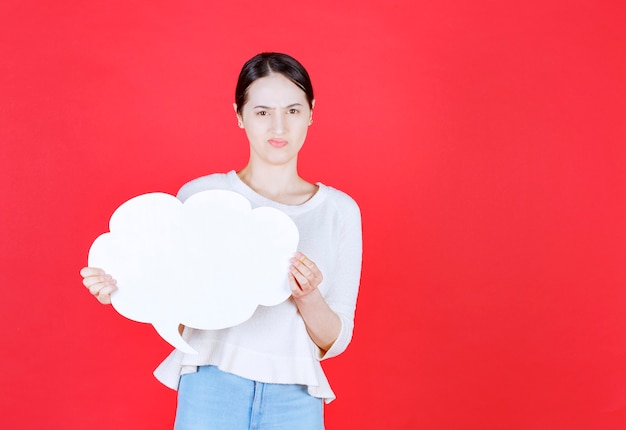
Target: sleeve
{"x": 191, "y": 188}
{"x": 347, "y": 275}
{"x": 209, "y": 182}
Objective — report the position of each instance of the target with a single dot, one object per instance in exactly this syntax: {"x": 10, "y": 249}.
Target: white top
{"x": 273, "y": 346}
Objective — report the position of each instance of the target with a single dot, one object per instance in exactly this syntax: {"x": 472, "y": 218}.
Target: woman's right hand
{"x": 99, "y": 284}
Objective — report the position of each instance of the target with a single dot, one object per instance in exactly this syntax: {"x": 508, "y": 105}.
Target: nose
{"x": 279, "y": 123}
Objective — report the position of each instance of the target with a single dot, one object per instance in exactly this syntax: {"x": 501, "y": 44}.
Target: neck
{"x": 273, "y": 182}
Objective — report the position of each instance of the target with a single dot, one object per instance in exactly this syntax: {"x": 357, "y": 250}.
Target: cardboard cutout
{"x": 207, "y": 263}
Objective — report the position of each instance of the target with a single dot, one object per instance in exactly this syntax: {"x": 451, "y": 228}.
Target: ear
{"x": 239, "y": 117}
{"x": 312, "y": 106}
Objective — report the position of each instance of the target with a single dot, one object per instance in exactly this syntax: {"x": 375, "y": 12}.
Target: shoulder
{"x": 209, "y": 182}
{"x": 342, "y": 202}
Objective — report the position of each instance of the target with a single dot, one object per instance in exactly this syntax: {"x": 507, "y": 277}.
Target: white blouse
{"x": 273, "y": 346}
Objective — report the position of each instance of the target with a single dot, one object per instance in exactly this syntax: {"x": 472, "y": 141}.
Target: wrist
{"x": 308, "y": 298}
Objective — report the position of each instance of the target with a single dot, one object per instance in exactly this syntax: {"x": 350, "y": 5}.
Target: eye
{"x": 293, "y": 111}
{"x": 262, "y": 113}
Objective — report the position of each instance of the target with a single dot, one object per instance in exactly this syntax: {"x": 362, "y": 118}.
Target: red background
{"x": 485, "y": 142}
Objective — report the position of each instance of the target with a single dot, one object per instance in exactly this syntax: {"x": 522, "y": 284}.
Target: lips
{"x": 277, "y": 143}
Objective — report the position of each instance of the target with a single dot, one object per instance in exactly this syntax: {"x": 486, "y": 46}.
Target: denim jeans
{"x": 214, "y": 400}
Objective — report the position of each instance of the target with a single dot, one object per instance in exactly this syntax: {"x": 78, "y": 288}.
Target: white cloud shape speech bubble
{"x": 207, "y": 263}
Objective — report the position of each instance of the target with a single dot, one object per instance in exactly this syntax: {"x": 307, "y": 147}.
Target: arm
{"x": 329, "y": 318}
{"x": 322, "y": 323}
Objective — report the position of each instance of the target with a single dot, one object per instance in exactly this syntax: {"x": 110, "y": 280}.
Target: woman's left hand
{"x": 304, "y": 275}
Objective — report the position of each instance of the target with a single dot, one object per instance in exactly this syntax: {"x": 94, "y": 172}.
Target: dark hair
{"x": 266, "y": 63}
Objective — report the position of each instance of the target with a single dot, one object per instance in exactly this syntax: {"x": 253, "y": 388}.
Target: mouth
{"x": 277, "y": 143}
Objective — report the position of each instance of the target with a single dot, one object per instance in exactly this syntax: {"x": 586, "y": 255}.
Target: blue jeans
{"x": 214, "y": 400}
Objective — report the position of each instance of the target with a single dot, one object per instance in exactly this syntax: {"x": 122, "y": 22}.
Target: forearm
{"x": 322, "y": 323}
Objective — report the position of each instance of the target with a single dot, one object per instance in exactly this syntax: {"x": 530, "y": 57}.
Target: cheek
{"x": 254, "y": 129}
{"x": 251, "y": 135}
{"x": 301, "y": 125}
{"x": 305, "y": 128}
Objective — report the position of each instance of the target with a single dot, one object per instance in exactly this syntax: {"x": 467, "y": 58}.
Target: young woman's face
{"x": 276, "y": 118}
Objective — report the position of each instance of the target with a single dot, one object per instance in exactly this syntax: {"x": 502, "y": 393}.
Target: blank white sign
{"x": 207, "y": 263}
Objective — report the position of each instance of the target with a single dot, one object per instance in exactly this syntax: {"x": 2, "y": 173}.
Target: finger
{"x": 104, "y": 299}
{"x": 303, "y": 282}
{"x": 91, "y": 271}
{"x": 307, "y": 279}
{"x": 302, "y": 261}
{"x": 109, "y": 287}
{"x": 104, "y": 294}
{"x": 295, "y": 288}
{"x": 96, "y": 279}
{"x": 301, "y": 267}
{"x": 95, "y": 286}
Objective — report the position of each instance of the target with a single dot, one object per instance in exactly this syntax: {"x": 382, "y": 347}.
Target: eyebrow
{"x": 287, "y": 107}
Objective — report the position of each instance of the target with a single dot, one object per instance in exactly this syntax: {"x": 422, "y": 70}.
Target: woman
{"x": 265, "y": 373}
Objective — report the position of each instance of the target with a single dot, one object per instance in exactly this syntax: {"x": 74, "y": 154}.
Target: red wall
{"x": 485, "y": 142}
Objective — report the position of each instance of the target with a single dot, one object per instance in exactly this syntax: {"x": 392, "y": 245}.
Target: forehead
{"x": 275, "y": 90}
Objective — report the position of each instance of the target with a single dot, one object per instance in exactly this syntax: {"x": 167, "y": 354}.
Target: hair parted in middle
{"x": 266, "y": 63}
